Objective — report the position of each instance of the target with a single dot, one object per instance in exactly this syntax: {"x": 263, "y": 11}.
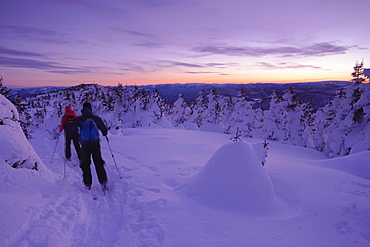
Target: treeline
{"x": 340, "y": 128}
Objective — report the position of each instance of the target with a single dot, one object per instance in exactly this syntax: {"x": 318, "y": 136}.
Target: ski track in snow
{"x": 121, "y": 219}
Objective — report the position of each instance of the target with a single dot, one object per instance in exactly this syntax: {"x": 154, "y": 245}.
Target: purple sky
{"x": 67, "y": 42}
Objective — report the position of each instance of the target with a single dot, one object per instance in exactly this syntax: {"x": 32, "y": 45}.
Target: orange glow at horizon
{"x": 141, "y": 80}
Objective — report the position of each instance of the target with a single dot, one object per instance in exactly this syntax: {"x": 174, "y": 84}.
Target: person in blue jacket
{"x": 89, "y": 126}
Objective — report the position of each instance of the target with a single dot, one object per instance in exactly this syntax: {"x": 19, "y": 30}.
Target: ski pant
{"x": 88, "y": 150}
{"x": 75, "y": 138}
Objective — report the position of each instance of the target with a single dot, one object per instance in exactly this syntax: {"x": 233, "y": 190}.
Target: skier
{"x": 70, "y": 133}
{"x": 88, "y": 125}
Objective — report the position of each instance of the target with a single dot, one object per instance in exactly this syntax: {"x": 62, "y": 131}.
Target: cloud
{"x": 140, "y": 38}
{"x": 204, "y": 72}
{"x": 318, "y": 49}
{"x": 149, "y": 44}
{"x": 168, "y": 63}
{"x": 38, "y": 34}
{"x": 285, "y": 66}
{"x": 16, "y": 62}
{"x": 221, "y": 65}
{"x": 134, "y": 33}
{"x": 193, "y": 65}
{"x": 26, "y": 30}
{"x": 200, "y": 72}
{"x": 154, "y": 3}
{"x": 5, "y": 51}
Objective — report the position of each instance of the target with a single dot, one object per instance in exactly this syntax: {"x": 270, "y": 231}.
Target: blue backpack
{"x": 89, "y": 131}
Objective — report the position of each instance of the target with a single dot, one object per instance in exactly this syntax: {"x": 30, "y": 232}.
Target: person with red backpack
{"x": 70, "y": 132}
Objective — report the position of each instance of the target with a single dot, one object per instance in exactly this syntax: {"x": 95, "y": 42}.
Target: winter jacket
{"x": 87, "y": 113}
{"x": 70, "y": 114}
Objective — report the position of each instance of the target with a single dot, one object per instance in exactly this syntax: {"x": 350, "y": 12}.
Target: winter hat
{"x": 86, "y": 109}
{"x": 87, "y": 105}
{"x": 68, "y": 108}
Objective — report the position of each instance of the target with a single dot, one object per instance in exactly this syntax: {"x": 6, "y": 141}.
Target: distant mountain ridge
{"x": 29, "y": 91}
{"x": 318, "y": 93}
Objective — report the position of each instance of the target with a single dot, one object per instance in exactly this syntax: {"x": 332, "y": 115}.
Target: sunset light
{"x": 142, "y": 42}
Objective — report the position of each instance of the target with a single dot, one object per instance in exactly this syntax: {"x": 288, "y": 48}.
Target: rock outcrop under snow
{"x": 15, "y": 148}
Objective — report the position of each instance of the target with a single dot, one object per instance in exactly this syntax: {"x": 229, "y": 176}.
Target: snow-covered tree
{"x": 180, "y": 111}
{"x": 227, "y": 108}
{"x": 3, "y": 90}
{"x": 298, "y": 118}
{"x": 274, "y": 119}
{"x": 358, "y": 72}
{"x": 336, "y": 129}
{"x": 198, "y": 108}
{"x": 289, "y": 119}
{"x": 243, "y": 117}
{"x": 212, "y": 114}
{"x": 347, "y": 112}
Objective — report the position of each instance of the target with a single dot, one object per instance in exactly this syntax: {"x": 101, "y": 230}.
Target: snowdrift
{"x": 15, "y": 148}
{"x": 234, "y": 179}
{"x": 356, "y": 164}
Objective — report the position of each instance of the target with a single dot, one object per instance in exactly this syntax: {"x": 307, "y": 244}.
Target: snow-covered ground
{"x": 188, "y": 188}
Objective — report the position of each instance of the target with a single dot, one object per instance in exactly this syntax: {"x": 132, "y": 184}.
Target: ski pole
{"x": 114, "y": 160}
{"x": 51, "y": 161}
{"x": 64, "y": 170}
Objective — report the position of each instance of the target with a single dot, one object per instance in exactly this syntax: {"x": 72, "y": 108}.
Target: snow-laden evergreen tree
{"x": 289, "y": 119}
{"x": 125, "y": 105}
{"x": 259, "y": 119}
{"x": 138, "y": 109}
{"x": 147, "y": 110}
{"x": 325, "y": 122}
{"x": 108, "y": 101}
{"x": 274, "y": 120}
{"x": 358, "y": 73}
{"x": 319, "y": 129}
{"x": 123, "y": 98}
{"x": 297, "y": 121}
{"x": 25, "y": 119}
{"x": 307, "y": 119}
{"x": 212, "y": 114}
{"x": 227, "y": 108}
{"x": 157, "y": 107}
{"x": 347, "y": 118}
{"x": 359, "y": 138}
{"x": 3, "y": 90}
{"x": 198, "y": 108}
{"x": 242, "y": 118}
{"x": 340, "y": 126}
{"x": 180, "y": 111}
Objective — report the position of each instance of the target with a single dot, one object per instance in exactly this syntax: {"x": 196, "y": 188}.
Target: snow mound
{"x": 15, "y": 148}
{"x": 356, "y": 164}
{"x": 234, "y": 180}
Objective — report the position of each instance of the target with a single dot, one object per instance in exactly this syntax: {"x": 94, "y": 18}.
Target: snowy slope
{"x": 16, "y": 151}
{"x": 314, "y": 204}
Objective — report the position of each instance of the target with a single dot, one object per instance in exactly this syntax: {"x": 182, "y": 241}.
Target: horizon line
{"x": 177, "y": 83}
